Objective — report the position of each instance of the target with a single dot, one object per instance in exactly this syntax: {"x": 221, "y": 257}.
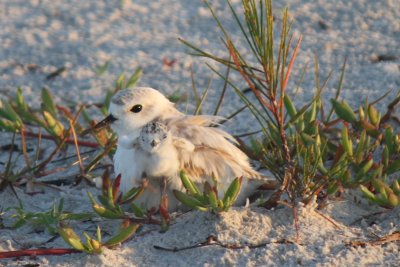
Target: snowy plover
{"x": 181, "y": 142}
{"x": 161, "y": 152}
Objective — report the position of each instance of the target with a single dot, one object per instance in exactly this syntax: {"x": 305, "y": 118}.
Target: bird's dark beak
{"x": 104, "y": 123}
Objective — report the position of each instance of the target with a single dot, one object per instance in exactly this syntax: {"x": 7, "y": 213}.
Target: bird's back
{"x": 214, "y": 150}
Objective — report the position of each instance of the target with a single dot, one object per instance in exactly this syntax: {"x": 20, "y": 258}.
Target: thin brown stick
{"x": 296, "y": 223}
{"x": 295, "y": 218}
{"x": 233, "y": 114}
{"x": 390, "y": 109}
{"x": 213, "y": 241}
{"x": 221, "y": 98}
{"x": 194, "y": 88}
{"x": 393, "y": 237}
{"x": 37, "y": 252}
{"x": 329, "y": 220}
{"x": 247, "y": 134}
{"x": 368, "y": 215}
{"x": 48, "y": 172}
{"x": 15, "y": 194}
{"x": 78, "y": 154}
{"x": 106, "y": 150}
{"x": 43, "y": 164}
{"x": 73, "y": 156}
{"x": 332, "y": 123}
{"x": 8, "y": 166}
{"x": 24, "y": 151}
{"x": 68, "y": 140}
{"x": 38, "y": 145}
{"x": 285, "y": 203}
{"x": 148, "y": 220}
{"x": 57, "y": 188}
{"x": 382, "y": 97}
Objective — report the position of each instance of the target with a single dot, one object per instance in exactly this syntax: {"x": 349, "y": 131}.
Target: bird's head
{"x": 131, "y": 109}
{"x": 154, "y": 136}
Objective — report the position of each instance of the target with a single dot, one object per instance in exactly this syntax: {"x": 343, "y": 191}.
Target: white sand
{"x": 81, "y": 35}
{"x": 321, "y": 242}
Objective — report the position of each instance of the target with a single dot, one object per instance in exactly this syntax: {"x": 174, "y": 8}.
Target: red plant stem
{"x": 115, "y": 188}
{"x": 289, "y": 69}
{"x": 245, "y": 76}
{"x": 37, "y": 252}
{"x": 70, "y": 141}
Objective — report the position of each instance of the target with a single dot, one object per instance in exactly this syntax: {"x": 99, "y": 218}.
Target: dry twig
{"x": 213, "y": 241}
{"x": 393, "y": 237}
{"x": 68, "y": 140}
{"x": 329, "y": 220}
{"x": 368, "y": 215}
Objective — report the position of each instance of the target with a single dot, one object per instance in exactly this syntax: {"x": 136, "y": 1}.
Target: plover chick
{"x": 202, "y": 149}
{"x": 161, "y": 156}
{"x": 160, "y": 164}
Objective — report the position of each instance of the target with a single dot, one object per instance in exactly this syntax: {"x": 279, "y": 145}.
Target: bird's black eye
{"x": 136, "y": 108}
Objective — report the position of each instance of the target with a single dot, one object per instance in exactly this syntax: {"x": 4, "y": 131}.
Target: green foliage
{"x": 120, "y": 84}
{"x": 49, "y": 219}
{"x": 308, "y": 149}
{"x": 55, "y": 219}
{"x": 111, "y": 200}
{"x": 382, "y": 194}
{"x": 208, "y": 200}
{"x": 60, "y": 124}
{"x": 267, "y": 79}
{"x": 15, "y": 115}
{"x": 103, "y": 68}
{"x": 95, "y": 246}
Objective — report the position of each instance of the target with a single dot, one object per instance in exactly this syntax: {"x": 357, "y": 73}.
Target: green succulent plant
{"x": 207, "y": 200}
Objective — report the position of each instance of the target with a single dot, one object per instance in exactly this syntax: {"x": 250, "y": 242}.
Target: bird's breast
{"x": 128, "y": 163}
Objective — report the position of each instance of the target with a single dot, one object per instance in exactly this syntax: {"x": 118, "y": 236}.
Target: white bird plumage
{"x": 189, "y": 143}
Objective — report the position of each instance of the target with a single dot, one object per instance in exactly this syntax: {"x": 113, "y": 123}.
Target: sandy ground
{"x": 39, "y": 37}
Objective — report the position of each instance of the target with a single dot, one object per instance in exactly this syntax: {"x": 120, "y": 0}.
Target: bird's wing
{"x": 206, "y": 150}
